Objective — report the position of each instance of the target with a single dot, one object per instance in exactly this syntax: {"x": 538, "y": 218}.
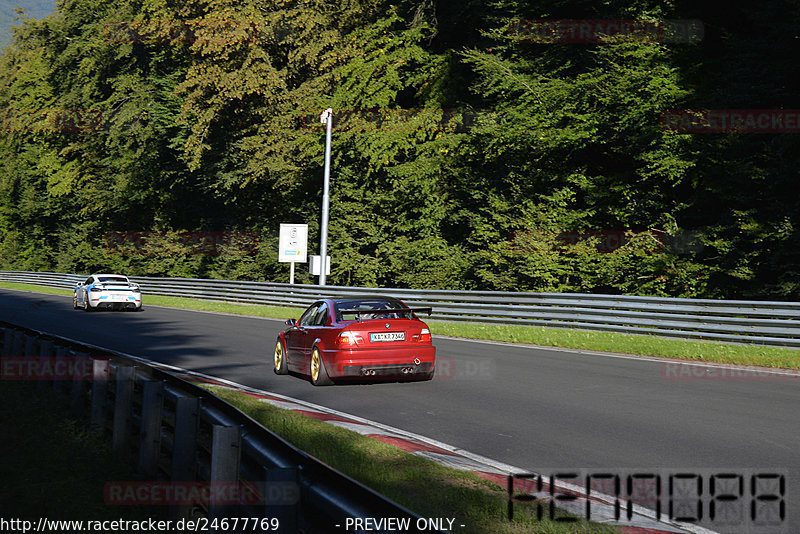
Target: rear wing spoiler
{"x": 358, "y": 313}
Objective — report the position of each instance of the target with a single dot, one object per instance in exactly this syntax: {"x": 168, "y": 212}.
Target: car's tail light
{"x": 349, "y": 338}
{"x": 425, "y": 336}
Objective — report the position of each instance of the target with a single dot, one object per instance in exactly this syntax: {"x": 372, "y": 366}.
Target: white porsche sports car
{"x": 107, "y": 291}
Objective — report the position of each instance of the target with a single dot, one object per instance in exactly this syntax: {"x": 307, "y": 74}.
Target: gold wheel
{"x": 278, "y": 356}
{"x": 319, "y": 376}
{"x": 315, "y": 365}
{"x": 281, "y": 365}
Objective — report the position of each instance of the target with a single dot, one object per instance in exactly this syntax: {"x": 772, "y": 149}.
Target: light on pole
{"x": 327, "y": 119}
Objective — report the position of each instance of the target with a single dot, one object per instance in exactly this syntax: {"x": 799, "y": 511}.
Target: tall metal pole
{"x": 327, "y": 119}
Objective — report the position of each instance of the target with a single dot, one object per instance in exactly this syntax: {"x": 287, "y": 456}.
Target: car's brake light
{"x": 349, "y": 338}
{"x": 425, "y": 336}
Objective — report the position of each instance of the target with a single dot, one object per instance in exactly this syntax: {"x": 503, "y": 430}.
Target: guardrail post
{"x": 78, "y": 391}
{"x": 123, "y": 402}
{"x": 183, "y": 449}
{"x": 281, "y": 493}
{"x": 226, "y": 451}
{"x": 100, "y": 372}
{"x": 184, "y": 446}
{"x": 59, "y": 384}
{"x": 45, "y": 352}
{"x": 150, "y": 433}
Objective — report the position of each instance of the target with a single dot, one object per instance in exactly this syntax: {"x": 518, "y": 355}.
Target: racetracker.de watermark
{"x": 602, "y": 31}
{"x": 767, "y": 121}
{"x": 46, "y": 368}
{"x": 211, "y": 243}
{"x": 448, "y": 368}
{"x": 692, "y": 372}
{"x": 51, "y": 120}
{"x": 161, "y": 493}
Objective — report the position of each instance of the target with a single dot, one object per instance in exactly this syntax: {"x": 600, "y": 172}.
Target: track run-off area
{"x": 544, "y": 410}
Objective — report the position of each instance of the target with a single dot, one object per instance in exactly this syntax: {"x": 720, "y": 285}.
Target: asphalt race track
{"x": 528, "y": 407}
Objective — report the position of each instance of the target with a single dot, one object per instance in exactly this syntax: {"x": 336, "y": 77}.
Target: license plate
{"x": 387, "y": 336}
{"x": 118, "y": 298}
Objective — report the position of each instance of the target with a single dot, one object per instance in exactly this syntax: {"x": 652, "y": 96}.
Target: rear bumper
{"x": 118, "y": 305}
{"x": 391, "y": 371}
{"x": 105, "y": 302}
{"x": 372, "y": 364}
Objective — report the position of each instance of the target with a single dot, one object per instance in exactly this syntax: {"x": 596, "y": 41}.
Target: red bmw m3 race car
{"x": 357, "y": 339}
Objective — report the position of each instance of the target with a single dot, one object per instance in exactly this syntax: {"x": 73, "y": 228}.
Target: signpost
{"x": 327, "y": 119}
{"x": 293, "y": 246}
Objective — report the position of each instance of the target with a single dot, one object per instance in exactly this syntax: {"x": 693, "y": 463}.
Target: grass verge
{"x": 642, "y": 345}
{"x": 37, "y": 289}
{"x": 51, "y": 466}
{"x": 419, "y": 484}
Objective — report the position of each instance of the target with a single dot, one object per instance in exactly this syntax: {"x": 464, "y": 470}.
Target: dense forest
{"x": 474, "y": 146}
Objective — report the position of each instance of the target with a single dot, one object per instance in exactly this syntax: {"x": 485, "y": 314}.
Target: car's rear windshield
{"x": 370, "y": 309}
{"x": 112, "y": 279}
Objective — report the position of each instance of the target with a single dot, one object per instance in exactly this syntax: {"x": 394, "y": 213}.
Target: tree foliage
{"x": 466, "y": 154}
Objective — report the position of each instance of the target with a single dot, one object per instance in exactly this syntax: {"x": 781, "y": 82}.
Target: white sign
{"x": 293, "y": 243}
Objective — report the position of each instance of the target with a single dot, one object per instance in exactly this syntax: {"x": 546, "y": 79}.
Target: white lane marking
{"x": 285, "y": 405}
{"x": 358, "y": 428}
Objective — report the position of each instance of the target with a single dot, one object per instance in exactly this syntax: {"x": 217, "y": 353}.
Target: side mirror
{"x": 78, "y": 284}
{"x": 291, "y": 322}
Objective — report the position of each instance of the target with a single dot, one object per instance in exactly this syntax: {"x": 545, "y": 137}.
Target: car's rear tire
{"x": 319, "y": 376}
{"x": 279, "y": 359}
{"x": 86, "y": 306}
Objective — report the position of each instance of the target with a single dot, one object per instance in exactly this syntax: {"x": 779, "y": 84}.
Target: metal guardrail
{"x": 737, "y": 321}
{"x": 182, "y": 436}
